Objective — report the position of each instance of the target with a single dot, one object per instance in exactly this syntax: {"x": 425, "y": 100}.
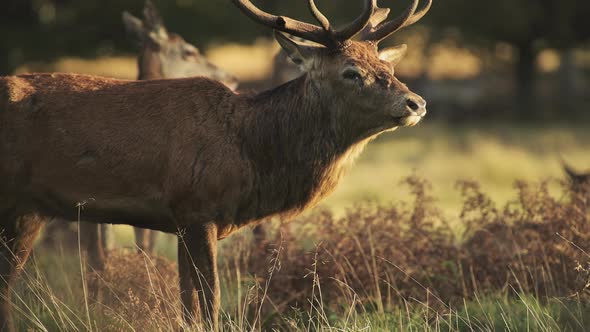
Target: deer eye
{"x": 188, "y": 52}
{"x": 352, "y": 75}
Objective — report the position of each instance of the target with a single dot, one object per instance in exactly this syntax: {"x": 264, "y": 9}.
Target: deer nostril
{"x": 412, "y": 104}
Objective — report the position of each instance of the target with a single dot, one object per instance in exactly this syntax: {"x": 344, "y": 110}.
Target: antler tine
{"x": 387, "y": 28}
{"x": 418, "y": 15}
{"x": 409, "y": 17}
{"x": 321, "y": 18}
{"x": 296, "y": 28}
{"x": 378, "y": 17}
{"x": 357, "y": 25}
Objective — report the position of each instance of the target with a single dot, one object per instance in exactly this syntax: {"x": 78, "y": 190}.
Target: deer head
{"x": 168, "y": 55}
{"x": 354, "y": 76}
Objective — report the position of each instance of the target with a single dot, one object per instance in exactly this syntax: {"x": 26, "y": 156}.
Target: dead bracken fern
{"x": 376, "y": 258}
{"x": 137, "y": 291}
{"x": 382, "y": 256}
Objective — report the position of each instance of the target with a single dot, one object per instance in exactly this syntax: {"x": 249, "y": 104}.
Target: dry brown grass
{"x": 136, "y": 291}
{"x": 536, "y": 244}
{"x": 381, "y": 257}
{"x": 376, "y": 258}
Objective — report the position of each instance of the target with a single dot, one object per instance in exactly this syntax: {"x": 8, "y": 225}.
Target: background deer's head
{"x": 168, "y": 55}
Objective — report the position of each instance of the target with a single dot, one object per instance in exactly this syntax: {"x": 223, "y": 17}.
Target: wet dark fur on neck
{"x": 149, "y": 65}
{"x": 294, "y": 148}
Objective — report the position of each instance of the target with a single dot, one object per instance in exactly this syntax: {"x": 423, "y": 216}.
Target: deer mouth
{"x": 408, "y": 120}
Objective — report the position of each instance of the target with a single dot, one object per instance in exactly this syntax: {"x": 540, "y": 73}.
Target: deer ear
{"x": 133, "y": 25}
{"x": 142, "y": 35}
{"x": 301, "y": 55}
{"x": 393, "y": 55}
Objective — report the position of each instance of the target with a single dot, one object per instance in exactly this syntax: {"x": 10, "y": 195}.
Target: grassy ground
{"x": 139, "y": 293}
{"x": 55, "y": 300}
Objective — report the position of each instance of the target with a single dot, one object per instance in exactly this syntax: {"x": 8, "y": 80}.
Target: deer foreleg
{"x": 197, "y": 263}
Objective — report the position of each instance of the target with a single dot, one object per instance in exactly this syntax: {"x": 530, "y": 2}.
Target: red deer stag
{"x": 189, "y": 156}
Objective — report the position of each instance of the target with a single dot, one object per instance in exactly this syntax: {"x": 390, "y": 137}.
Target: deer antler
{"x": 323, "y": 34}
{"x": 357, "y": 25}
{"x": 378, "y": 17}
{"x": 323, "y": 20}
{"x": 384, "y": 29}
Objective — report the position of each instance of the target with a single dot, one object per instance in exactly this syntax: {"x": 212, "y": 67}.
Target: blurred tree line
{"x": 43, "y": 30}
{"x": 527, "y": 25}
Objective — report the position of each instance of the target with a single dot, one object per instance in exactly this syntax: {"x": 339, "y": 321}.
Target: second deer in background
{"x": 162, "y": 55}
{"x": 168, "y": 55}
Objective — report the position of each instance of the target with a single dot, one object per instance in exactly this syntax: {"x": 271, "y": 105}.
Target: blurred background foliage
{"x": 33, "y": 30}
{"x": 498, "y": 55}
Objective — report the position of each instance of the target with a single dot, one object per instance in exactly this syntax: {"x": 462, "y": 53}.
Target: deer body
{"x": 142, "y": 158}
{"x": 234, "y": 158}
{"x": 189, "y": 156}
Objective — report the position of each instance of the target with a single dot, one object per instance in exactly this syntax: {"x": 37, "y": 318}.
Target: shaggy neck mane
{"x": 298, "y": 151}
